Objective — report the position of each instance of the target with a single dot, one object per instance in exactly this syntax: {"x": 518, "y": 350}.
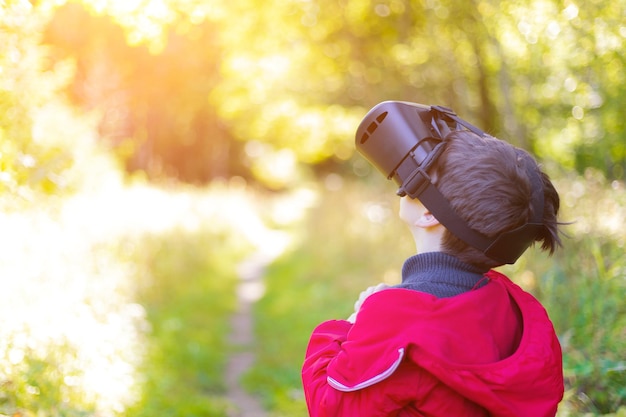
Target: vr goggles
{"x": 404, "y": 140}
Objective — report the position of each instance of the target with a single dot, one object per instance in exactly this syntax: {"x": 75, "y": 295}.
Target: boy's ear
{"x": 427, "y": 220}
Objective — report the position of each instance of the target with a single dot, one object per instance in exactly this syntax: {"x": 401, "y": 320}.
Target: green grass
{"x": 585, "y": 295}
{"x": 342, "y": 251}
{"x": 189, "y": 296}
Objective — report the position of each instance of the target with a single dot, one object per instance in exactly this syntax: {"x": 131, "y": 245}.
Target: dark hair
{"x": 486, "y": 183}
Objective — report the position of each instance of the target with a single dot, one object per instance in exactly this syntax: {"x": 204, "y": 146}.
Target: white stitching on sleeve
{"x": 375, "y": 379}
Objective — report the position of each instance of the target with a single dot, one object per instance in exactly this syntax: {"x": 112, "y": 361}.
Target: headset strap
{"x": 507, "y": 247}
{"x": 452, "y": 115}
{"x": 419, "y": 186}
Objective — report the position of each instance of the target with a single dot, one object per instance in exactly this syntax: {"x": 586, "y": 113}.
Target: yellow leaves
{"x": 410, "y": 55}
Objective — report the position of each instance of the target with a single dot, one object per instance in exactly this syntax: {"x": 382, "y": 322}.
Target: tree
{"x": 40, "y": 135}
{"x": 200, "y": 90}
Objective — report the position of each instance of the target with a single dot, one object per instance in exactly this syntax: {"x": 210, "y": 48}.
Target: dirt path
{"x": 250, "y": 289}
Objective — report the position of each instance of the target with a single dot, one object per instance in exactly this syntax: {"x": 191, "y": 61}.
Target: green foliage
{"x": 582, "y": 289}
{"x": 40, "y": 382}
{"x": 240, "y": 95}
{"x": 40, "y": 136}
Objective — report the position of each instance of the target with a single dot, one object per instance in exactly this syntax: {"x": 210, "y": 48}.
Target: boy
{"x": 455, "y": 338}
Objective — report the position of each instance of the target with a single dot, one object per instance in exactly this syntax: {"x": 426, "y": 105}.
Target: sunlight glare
{"x": 292, "y": 207}
{"x": 571, "y": 11}
{"x": 143, "y": 20}
{"x": 266, "y": 68}
{"x": 275, "y": 66}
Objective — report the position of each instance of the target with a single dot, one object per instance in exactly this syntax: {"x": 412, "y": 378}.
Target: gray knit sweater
{"x": 440, "y": 274}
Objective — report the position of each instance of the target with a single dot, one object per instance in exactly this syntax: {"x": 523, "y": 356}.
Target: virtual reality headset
{"x": 404, "y": 141}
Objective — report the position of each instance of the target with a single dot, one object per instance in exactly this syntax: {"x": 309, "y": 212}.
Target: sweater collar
{"x": 440, "y": 274}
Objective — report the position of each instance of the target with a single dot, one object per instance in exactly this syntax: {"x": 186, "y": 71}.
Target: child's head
{"x": 492, "y": 198}
{"x": 486, "y": 182}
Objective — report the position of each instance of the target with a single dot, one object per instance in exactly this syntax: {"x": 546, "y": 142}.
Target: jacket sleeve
{"x": 324, "y": 345}
{"x": 325, "y": 401}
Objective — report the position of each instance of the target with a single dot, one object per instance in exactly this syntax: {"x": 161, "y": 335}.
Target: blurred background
{"x": 149, "y": 147}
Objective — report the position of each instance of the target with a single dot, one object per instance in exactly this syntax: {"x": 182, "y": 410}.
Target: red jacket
{"x": 488, "y": 352}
